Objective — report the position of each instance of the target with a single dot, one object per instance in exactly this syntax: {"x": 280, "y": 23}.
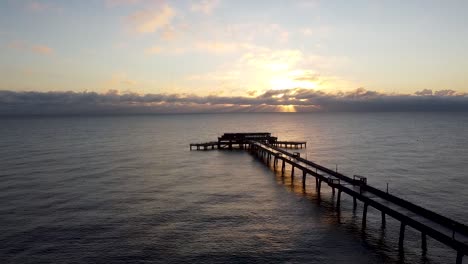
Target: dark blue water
{"x": 127, "y": 189}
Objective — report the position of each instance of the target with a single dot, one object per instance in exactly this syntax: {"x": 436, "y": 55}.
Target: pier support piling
{"x": 383, "y": 219}
{"x": 338, "y": 199}
{"x": 459, "y": 257}
{"x": 364, "y": 216}
{"x": 282, "y": 167}
{"x": 354, "y": 203}
{"x": 304, "y": 174}
{"x": 402, "y": 236}
{"x": 423, "y": 243}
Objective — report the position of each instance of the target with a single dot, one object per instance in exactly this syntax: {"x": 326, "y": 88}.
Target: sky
{"x": 201, "y": 55}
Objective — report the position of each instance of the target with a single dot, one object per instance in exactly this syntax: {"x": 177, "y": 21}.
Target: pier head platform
{"x": 240, "y": 140}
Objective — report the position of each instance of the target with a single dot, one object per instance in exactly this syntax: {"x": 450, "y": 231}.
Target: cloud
{"x": 211, "y": 47}
{"x": 112, "y": 3}
{"x": 202, "y": 36}
{"x": 18, "y": 45}
{"x": 274, "y": 60}
{"x": 113, "y": 102}
{"x": 221, "y": 47}
{"x": 424, "y": 92}
{"x": 261, "y": 68}
{"x": 308, "y": 76}
{"x": 204, "y": 6}
{"x": 153, "y": 50}
{"x": 36, "y": 6}
{"x": 306, "y": 31}
{"x": 251, "y": 93}
{"x": 41, "y": 49}
{"x": 307, "y": 4}
{"x": 149, "y": 21}
{"x": 276, "y": 31}
{"x": 120, "y": 80}
{"x": 428, "y": 92}
{"x": 217, "y": 76}
{"x": 169, "y": 33}
{"x": 38, "y": 49}
{"x": 445, "y": 93}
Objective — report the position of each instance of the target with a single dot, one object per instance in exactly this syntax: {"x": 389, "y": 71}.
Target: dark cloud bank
{"x": 303, "y": 100}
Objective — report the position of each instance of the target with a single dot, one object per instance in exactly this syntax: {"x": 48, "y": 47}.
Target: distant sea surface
{"x": 126, "y": 189}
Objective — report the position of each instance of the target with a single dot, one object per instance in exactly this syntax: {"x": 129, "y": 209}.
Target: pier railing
{"x": 445, "y": 221}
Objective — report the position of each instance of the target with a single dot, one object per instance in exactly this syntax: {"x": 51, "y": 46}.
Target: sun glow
{"x": 288, "y": 108}
{"x": 280, "y": 83}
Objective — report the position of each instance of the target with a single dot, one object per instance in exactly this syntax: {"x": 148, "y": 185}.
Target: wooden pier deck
{"x": 447, "y": 231}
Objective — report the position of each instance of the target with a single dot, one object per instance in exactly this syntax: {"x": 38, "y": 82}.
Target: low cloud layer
{"x": 300, "y": 100}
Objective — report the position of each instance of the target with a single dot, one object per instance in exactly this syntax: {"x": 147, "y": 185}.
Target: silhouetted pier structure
{"x": 235, "y": 140}
{"x": 230, "y": 140}
{"x": 443, "y": 229}
{"x": 204, "y": 146}
{"x": 290, "y": 144}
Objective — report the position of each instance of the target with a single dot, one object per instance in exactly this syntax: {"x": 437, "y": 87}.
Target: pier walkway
{"x": 447, "y": 231}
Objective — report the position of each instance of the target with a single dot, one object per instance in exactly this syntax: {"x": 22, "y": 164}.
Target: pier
{"x": 430, "y": 224}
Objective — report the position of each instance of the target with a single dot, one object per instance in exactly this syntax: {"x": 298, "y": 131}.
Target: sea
{"x": 127, "y": 189}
